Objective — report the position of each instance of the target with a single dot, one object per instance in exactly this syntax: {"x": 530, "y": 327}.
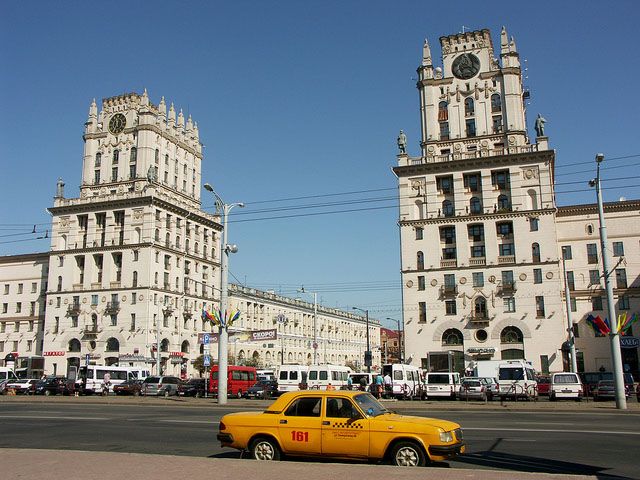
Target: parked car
{"x": 67, "y": 387}
{"x": 340, "y": 424}
{"x": 544, "y": 384}
{"x": 606, "y": 390}
{"x": 158, "y": 386}
{"x": 195, "y": 387}
{"x": 472, "y": 389}
{"x": 3, "y": 385}
{"x": 565, "y": 385}
{"x": 638, "y": 392}
{"x": 590, "y": 380}
{"x": 263, "y": 389}
{"x": 490, "y": 383}
{"x": 129, "y": 387}
{"x": 49, "y": 386}
{"x": 22, "y": 387}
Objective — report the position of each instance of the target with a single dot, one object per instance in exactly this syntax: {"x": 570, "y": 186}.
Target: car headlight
{"x": 446, "y": 437}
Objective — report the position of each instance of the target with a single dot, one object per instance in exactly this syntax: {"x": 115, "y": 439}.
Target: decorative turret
{"x": 426, "y": 54}
{"x": 508, "y": 51}
{"x": 145, "y": 98}
{"x": 172, "y": 116}
{"x": 162, "y": 108}
{"x": 91, "y": 123}
{"x": 189, "y": 127}
{"x": 60, "y": 183}
{"x": 180, "y": 119}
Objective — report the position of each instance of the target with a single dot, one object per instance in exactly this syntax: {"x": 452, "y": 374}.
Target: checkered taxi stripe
{"x": 353, "y": 425}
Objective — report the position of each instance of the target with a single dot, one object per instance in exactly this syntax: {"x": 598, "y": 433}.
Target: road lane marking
{"x": 207, "y": 422}
{"x": 47, "y": 417}
{"x": 549, "y": 430}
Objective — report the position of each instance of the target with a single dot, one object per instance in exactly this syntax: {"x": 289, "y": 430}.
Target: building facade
{"x": 135, "y": 260}
{"x": 481, "y": 235}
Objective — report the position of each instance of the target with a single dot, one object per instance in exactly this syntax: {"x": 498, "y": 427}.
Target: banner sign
{"x": 248, "y": 336}
{"x": 629, "y": 342}
{"x": 260, "y": 335}
{"x": 54, "y": 354}
{"x": 488, "y": 350}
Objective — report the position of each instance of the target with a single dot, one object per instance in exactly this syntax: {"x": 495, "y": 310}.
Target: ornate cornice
{"x": 476, "y": 218}
{"x": 26, "y": 257}
{"x": 592, "y": 208}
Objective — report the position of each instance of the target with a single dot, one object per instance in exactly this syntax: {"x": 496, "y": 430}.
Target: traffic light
{"x": 367, "y": 358}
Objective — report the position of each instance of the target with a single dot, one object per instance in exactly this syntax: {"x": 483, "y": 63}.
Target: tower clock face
{"x": 117, "y": 123}
{"x": 465, "y": 66}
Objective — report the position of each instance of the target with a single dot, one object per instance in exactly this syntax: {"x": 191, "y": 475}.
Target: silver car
{"x": 472, "y": 390}
{"x": 160, "y": 386}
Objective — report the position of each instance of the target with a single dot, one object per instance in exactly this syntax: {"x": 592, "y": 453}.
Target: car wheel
{"x": 197, "y": 395}
{"x": 552, "y": 397}
{"x": 263, "y": 448}
{"x": 239, "y": 394}
{"x": 408, "y": 454}
{"x": 47, "y": 393}
{"x": 136, "y": 393}
{"x": 167, "y": 393}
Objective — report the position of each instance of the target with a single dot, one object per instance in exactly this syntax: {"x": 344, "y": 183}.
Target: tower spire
{"x": 426, "y": 54}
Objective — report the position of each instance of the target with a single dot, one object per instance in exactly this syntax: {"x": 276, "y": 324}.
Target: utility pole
{"x": 614, "y": 337}
{"x": 572, "y": 340}
{"x": 367, "y": 354}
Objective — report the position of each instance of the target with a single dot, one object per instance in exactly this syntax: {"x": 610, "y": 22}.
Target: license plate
{"x": 566, "y": 391}
{"x": 433, "y": 388}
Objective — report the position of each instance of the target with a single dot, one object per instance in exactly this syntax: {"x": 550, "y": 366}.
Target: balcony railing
{"x": 475, "y": 261}
{"x": 112, "y": 307}
{"x": 448, "y": 263}
{"x": 506, "y": 287}
{"x": 506, "y": 259}
{"x": 73, "y": 309}
{"x": 479, "y": 317}
{"x": 448, "y": 290}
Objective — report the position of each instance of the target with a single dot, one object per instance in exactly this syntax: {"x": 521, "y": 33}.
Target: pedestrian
{"x": 388, "y": 385}
{"x": 379, "y": 382}
{"x": 330, "y": 387}
{"x": 363, "y": 383}
{"x": 349, "y": 383}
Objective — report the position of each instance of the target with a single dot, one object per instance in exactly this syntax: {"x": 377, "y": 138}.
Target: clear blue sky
{"x": 301, "y": 99}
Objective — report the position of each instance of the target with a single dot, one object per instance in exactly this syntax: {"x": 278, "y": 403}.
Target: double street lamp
{"x": 315, "y": 327}
{"x": 223, "y": 354}
{"x": 367, "y": 354}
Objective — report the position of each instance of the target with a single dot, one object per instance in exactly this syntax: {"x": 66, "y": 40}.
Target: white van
{"x": 517, "y": 378}
{"x": 362, "y": 380}
{"x": 442, "y": 385}
{"x": 565, "y": 385}
{"x": 291, "y": 377}
{"x": 319, "y": 376}
{"x": 405, "y": 380}
{"x": 7, "y": 374}
{"x": 266, "y": 375}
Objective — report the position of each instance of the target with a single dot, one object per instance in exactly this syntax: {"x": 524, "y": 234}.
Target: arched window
{"x": 164, "y": 345}
{"x": 135, "y": 279}
{"x": 469, "y": 109}
{"x": 419, "y": 210}
{"x": 116, "y": 156}
{"x": 443, "y": 112}
{"x": 447, "y": 208}
{"x": 511, "y": 335}
{"x": 167, "y": 239}
{"x": 98, "y": 161}
{"x": 157, "y": 234}
{"x": 503, "y": 202}
{"x": 94, "y": 321}
{"x": 533, "y": 199}
{"x": 138, "y": 235}
{"x": 480, "y": 308}
{"x": 197, "y": 247}
{"x": 113, "y": 345}
{"x": 178, "y": 241}
{"x": 420, "y": 260}
{"x": 452, "y": 336}
{"x": 157, "y": 156}
{"x": 475, "y": 205}
{"x": 496, "y": 103}
{"x": 74, "y": 345}
{"x": 134, "y": 155}
{"x": 185, "y": 347}
{"x": 186, "y": 244}
{"x": 63, "y": 242}
{"x": 535, "y": 252}
{"x": 59, "y": 284}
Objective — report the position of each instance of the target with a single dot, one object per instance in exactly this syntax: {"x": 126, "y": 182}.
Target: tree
{"x": 198, "y": 364}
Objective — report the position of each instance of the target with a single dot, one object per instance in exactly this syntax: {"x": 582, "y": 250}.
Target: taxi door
{"x": 299, "y": 427}
{"x": 344, "y": 430}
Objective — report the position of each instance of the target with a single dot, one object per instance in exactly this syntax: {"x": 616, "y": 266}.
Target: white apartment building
{"x": 134, "y": 261}
{"x": 480, "y": 231}
{"x": 306, "y": 333}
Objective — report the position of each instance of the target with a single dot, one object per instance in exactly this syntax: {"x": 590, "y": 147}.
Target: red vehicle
{"x": 544, "y": 383}
{"x": 239, "y": 380}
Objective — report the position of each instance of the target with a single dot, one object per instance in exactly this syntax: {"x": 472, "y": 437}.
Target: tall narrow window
{"x": 420, "y": 260}
{"x": 444, "y": 130}
{"x": 592, "y": 253}
{"x": 443, "y": 112}
{"x": 535, "y": 252}
{"x": 469, "y": 109}
{"x": 470, "y": 125}
{"x": 98, "y": 161}
{"x": 496, "y": 103}
{"x": 116, "y": 156}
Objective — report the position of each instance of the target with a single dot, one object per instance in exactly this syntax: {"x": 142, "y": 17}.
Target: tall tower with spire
{"x": 480, "y": 278}
{"x": 134, "y": 259}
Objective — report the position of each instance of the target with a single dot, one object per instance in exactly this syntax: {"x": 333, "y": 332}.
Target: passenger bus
{"x": 239, "y": 379}
{"x": 320, "y": 376}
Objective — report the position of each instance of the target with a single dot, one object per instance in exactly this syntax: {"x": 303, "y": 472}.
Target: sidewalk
{"x": 72, "y": 465}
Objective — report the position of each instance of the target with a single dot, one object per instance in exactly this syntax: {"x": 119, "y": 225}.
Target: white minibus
{"x": 405, "y": 380}
{"x": 94, "y": 375}
{"x": 517, "y": 378}
{"x": 320, "y": 376}
{"x": 442, "y": 385}
{"x": 291, "y": 377}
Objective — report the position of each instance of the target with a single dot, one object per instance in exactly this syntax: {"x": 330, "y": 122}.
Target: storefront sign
{"x": 260, "y": 335}
{"x": 54, "y": 354}
{"x": 176, "y": 354}
{"x": 482, "y": 351}
{"x": 629, "y": 342}
{"x": 127, "y": 357}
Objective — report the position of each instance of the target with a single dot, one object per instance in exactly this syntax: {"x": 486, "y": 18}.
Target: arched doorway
{"x": 512, "y": 343}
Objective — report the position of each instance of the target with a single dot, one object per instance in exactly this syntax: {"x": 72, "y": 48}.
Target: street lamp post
{"x": 315, "y": 326}
{"x": 367, "y": 354}
{"x": 400, "y": 335}
{"x": 567, "y": 296}
{"x": 616, "y": 354}
{"x": 223, "y": 353}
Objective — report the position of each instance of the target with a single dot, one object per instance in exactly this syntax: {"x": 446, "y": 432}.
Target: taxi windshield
{"x": 370, "y": 405}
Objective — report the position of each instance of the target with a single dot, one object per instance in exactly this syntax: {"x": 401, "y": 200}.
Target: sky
{"x": 298, "y": 105}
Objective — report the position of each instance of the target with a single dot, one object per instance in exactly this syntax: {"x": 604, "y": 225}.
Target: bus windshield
{"x": 511, "y": 373}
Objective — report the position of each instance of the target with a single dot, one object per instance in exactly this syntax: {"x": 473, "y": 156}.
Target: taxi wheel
{"x": 408, "y": 454}
{"x": 263, "y": 448}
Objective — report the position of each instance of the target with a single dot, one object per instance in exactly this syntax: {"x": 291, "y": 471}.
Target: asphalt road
{"x": 583, "y": 442}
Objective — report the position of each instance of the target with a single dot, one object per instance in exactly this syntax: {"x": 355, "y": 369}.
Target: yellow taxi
{"x": 340, "y": 424}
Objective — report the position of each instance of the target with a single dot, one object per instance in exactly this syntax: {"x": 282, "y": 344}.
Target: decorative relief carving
{"x": 549, "y": 275}
{"x": 463, "y": 280}
{"x": 523, "y": 277}
{"x": 409, "y": 283}
{"x": 419, "y": 185}
{"x": 434, "y": 282}
{"x": 64, "y": 223}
